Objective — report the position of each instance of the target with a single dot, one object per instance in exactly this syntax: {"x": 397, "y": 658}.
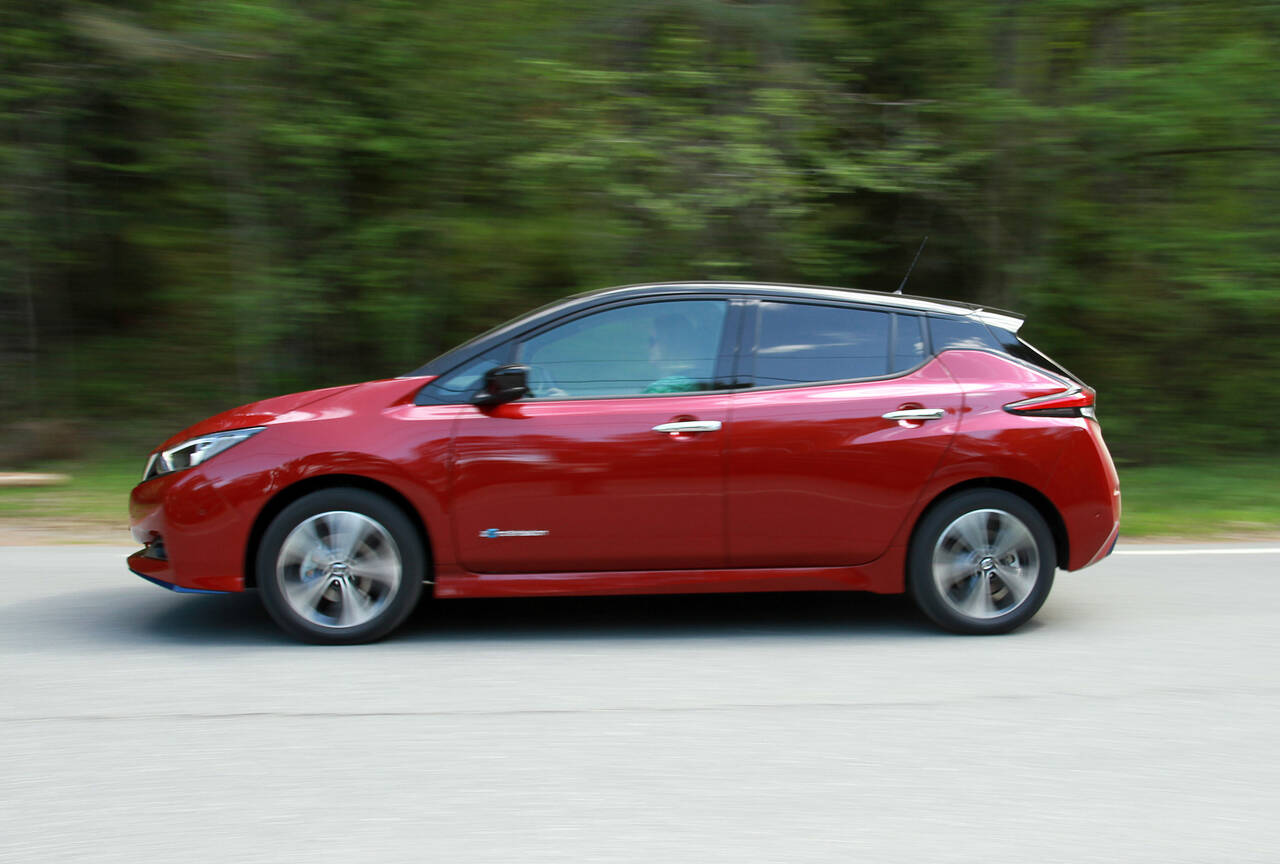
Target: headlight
{"x": 191, "y": 453}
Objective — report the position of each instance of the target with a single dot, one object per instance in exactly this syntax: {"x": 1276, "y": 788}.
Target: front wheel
{"x": 340, "y": 566}
{"x": 981, "y": 562}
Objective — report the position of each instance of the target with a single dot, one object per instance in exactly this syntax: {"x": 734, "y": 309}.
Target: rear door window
{"x": 909, "y": 346}
{"x": 801, "y": 343}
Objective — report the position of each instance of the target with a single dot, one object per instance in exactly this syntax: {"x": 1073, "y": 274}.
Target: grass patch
{"x": 1236, "y": 498}
{"x": 1233, "y": 498}
{"x": 97, "y": 494}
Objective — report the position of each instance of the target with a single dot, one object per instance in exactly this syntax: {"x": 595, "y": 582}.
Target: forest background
{"x": 204, "y": 202}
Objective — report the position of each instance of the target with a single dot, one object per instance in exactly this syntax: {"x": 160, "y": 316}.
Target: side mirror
{"x": 503, "y": 384}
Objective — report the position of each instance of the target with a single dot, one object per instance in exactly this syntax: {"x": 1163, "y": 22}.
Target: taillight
{"x": 1076, "y": 402}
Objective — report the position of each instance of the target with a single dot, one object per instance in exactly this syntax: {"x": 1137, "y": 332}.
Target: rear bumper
{"x": 1107, "y": 548}
{"x": 1086, "y": 490}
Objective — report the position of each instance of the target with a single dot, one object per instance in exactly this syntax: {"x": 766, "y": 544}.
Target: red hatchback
{"x": 654, "y": 439}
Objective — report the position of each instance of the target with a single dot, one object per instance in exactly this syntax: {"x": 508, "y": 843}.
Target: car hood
{"x": 268, "y": 411}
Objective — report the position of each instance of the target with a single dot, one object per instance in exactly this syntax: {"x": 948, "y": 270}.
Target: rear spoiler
{"x": 1010, "y": 321}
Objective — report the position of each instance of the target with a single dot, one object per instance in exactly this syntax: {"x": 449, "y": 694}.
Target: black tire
{"x": 981, "y": 562}
{"x": 340, "y": 566}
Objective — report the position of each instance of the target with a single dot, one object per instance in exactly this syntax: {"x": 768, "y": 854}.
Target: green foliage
{"x": 1227, "y": 498}
{"x": 95, "y": 496}
{"x": 207, "y": 201}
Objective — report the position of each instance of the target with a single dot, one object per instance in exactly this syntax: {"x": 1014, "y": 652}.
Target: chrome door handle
{"x": 689, "y": 426}
{"x": 916, "y": 414}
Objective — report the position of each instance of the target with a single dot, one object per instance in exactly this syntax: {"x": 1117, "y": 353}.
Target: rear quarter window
{"x": 973, "y": 334}
{"x": 962, "y": 333}
{"x": 1028, "y": 353}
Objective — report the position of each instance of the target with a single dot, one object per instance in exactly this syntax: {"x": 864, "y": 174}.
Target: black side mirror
{"x": 503, "y": 384}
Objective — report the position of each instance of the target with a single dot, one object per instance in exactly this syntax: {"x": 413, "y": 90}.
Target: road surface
{"x": 1135, "y": 720}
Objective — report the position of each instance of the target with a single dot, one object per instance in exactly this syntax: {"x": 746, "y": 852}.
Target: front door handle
{"x": 688, "y": 426}
{"x": 916, "y": 414}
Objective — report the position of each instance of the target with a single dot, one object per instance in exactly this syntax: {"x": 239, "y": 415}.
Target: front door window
{"x": 664, "y": 347}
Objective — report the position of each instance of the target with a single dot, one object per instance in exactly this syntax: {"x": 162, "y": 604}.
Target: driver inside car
{"x": 673, "y": 350}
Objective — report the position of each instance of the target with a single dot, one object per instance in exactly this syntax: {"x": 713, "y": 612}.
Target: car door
{"x": 615, "y": 461}
{"x": 818, "y": 475}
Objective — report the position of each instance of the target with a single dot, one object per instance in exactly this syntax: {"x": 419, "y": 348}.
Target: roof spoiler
{"x": 1010, "y": 321}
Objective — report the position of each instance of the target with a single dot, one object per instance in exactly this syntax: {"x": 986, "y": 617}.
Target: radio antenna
{"x": 913, "y": 265}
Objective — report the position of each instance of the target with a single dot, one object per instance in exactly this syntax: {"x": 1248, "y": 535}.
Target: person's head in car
{"x": 673, "y": 351}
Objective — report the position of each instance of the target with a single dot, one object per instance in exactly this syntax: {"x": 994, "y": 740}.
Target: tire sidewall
{"x": 364, "y": 502}
{"x": 920, "y": 582}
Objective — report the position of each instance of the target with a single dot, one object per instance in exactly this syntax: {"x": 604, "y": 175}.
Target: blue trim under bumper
{"x": 178, "y": 588}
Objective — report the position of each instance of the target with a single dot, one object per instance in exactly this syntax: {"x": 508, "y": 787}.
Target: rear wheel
{"x": 981, "y": 562}
{"x": 340, "y": 566}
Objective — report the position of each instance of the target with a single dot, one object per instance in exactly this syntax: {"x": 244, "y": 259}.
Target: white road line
{"x": 1275, "y": 550}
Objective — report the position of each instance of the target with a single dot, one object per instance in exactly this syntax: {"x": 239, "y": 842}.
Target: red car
{"x": 669, "y": 438}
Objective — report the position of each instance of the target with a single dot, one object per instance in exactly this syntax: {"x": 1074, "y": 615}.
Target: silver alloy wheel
{"x": 985, "y": 563}
{"x": 339, "y": 569}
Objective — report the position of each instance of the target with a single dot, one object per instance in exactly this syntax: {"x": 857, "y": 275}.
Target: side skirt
{"x": 882, "y": 576}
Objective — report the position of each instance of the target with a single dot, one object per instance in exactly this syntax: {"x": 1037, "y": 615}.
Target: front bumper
{"x": 194, "y": 539}
{"x": 141, "y": 564}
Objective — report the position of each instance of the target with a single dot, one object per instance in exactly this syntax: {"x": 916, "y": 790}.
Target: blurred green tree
{"x": 205, "y": 201}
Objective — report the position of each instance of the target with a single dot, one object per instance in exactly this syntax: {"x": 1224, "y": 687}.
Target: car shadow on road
{"x": 239, "y": 620}
{"x": 690, "y": 616}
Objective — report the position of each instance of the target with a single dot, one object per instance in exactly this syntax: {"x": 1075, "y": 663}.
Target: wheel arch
{"x": 1033, "y": 496}
{"x": 293, "y": 492}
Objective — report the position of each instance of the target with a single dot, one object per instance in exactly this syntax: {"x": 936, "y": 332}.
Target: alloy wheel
{"x": 339, "y": 569}
{"x": 985, "y": 563}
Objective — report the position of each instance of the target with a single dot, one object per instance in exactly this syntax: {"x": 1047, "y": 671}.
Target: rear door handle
{"x": 916, "y": 414}
{"x": 689, "y": 426}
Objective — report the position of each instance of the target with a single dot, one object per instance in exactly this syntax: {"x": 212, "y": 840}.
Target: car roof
{"x": 536, "y": 318}
{"x": 999, "y": 317}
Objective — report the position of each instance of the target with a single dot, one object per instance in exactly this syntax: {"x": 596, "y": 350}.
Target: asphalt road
{"x": 1134, "y": 720}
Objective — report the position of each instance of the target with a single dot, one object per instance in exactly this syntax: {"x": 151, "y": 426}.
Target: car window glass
{"x": 961, "y": 333}
{"x": 1028, "y": 353}
{"x": 801, "y": 343}
{"x": 908, "y": 344}
{"x": 664, "y": 347}
{"x": 466, "y": 379}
